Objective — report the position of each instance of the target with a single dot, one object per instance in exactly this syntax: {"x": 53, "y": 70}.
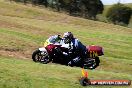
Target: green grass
{"x": 24, "y": 28}
{"x": 25, "y": 74}
{"x": 16, "y": 73}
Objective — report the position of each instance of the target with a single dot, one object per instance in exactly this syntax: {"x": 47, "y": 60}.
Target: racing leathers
{"x": 77, "y": 52}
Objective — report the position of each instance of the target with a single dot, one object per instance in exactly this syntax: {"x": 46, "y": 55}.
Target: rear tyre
{"x": 92, "y": 63}
{"x": 96, "y": 63}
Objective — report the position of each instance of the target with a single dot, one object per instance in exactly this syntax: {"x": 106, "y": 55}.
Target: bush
{"x": 119, "y": 13}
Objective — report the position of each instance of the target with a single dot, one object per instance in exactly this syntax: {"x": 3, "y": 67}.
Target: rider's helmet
{"x": 68, "y": 36}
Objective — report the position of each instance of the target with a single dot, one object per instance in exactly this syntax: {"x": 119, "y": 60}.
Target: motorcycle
{"x": 59, "y": 54}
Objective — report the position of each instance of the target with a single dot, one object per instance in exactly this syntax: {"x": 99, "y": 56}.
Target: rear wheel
{"x": 39, "y": 56}
{"x": 92, "y": 63}
{"x": 95, "y": 63}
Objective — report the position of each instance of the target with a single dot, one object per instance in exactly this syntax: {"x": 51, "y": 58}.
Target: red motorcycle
{"x": 59, "y": 54}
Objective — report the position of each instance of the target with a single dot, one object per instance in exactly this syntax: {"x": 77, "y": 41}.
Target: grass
{"x": 16, "y": 73}
{"x": 24, "y": 28}
{"x": 32, "y": 76}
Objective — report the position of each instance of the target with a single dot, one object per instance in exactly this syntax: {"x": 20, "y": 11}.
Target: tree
{"x": 93, "y": 7}
{"x": 83, "y": 8}
{"x": 119, "y": 13}
{"x": 86, "y": 8}
{"x": 40, "y": 2}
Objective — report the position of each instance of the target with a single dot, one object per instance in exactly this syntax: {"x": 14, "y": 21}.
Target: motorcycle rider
{"x": 53, "y": 40}
{"x": 76, "y": 49}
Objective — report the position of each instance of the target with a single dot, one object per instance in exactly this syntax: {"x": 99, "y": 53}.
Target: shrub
{"x": 119, "y": 13}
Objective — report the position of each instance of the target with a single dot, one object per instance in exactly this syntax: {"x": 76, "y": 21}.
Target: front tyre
{"x": 36, "y": 55}
{"x": 39, "y": 56}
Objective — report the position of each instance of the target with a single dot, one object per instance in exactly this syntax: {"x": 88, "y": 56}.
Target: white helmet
{"x": 68, "y": 36}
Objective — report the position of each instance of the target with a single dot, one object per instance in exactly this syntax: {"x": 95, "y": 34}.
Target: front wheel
{"x": 40, "y": 56}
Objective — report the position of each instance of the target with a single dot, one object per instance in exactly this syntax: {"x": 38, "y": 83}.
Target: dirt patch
{"x": 6, "y": 24}
{"x": 12, "y": 50}
{"x": 13, "y": 25}
{"x": 12, "y": 54}
{"x": 16, "y": 53}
